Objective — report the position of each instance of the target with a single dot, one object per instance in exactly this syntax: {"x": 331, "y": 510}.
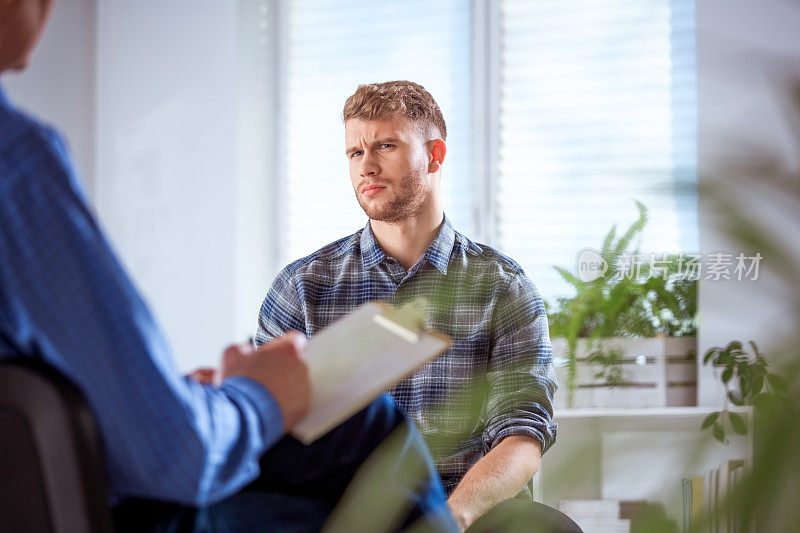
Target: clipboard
{"x": 359, "y": 357}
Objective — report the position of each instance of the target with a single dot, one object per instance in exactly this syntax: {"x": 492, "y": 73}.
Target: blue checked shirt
{"x": 65, "y": 298}
{"x": 497, "y": 379}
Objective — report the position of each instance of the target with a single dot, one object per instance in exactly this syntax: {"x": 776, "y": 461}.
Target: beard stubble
{"x": 407, "y": 203}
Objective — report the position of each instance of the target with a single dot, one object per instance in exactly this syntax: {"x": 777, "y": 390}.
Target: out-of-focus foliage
{"x": 767, "y": 498}
{"x": 753, "y": 384}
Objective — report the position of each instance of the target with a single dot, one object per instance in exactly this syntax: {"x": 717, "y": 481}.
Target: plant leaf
{"x": 719, "y": 434}
{"x": 710, "y": 419}
{"x": 738, "y": 423}
{"x": 777, "y": 383}
{"x": 632, "y": 231}
{"x": 710, "y": 353}
{"x": 755, "y": 348}
{"x": 727, "y": 374}
{"x": 758, "y": 384}
{"x": 735, "y": 399}
{"x": 606, "y": 248}
{"x": 744, "y": 383}
{"x": 570, "y": 278}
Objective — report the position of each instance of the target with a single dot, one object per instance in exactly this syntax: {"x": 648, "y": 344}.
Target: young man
{"x": 179, "y": 453}
{"x": 485, "y": 407}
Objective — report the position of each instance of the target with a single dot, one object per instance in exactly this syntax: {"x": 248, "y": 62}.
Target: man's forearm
{"x": 499, "y": 475}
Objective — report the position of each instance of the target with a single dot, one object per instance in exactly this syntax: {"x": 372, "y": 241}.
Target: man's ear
{"x": 436, "y": 154}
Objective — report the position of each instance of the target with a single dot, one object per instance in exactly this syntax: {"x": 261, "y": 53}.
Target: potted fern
{"x": 621, "y": 330}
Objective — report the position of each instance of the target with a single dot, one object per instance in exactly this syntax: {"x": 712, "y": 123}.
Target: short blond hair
{"x": 376, "y": 101}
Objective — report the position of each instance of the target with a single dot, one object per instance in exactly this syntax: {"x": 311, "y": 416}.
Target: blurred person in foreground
{"x": 180, "y": 454}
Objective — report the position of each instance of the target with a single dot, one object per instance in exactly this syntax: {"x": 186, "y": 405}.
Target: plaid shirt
{"x": 497, "y": 379}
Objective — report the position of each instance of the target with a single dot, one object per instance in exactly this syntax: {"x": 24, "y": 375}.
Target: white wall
{"x": 180, "y": 146}
{"x": 165, "y": 107}
{"x": 748, "y": 54}
{"x": 59, "y": 85}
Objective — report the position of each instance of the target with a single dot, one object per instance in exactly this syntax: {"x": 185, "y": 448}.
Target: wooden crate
{"x": 667, "y": 377}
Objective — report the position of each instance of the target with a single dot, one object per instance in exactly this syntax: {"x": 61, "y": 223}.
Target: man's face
{"x": 389, "y": 163}
{"x": 21, "y": 25}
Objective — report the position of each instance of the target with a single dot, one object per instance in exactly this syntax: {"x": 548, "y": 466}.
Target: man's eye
{"x": 356, "y": 154}
{"x": 386, "y": 145}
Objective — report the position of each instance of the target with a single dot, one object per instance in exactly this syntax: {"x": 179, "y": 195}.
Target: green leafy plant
{"x": 610, "y": 370}
{"x": 747, "y": 382}
{"x": 620, "y": 304}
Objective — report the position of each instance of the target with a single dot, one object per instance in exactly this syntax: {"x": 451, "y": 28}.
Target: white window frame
{"x": 486, "y": 21}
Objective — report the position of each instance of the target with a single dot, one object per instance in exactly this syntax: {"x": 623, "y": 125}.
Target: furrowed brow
{"x": 378, "y": 142}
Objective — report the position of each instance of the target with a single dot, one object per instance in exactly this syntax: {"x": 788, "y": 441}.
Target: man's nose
{"x": 369, "y": 166}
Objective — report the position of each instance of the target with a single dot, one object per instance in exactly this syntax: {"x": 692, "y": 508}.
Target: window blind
{"x": 331, "y": 46}
{"x": 597, "y": 107}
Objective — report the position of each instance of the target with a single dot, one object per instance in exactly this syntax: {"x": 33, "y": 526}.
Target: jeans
{"x": 524, "y": 516}
{"x": 300, "y": 486}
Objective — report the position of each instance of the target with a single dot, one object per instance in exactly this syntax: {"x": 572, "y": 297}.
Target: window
{"x": 559, "y": 114}
{"x": 597, "y": 107}
{"x": 331, "y": 47}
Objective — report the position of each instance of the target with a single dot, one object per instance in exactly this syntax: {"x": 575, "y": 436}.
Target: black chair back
{"x": 52, "y": 476}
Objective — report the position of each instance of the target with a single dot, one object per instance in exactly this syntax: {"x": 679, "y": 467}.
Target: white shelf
{"x": 578, "y": 422}
{"x": 632, "y": 454}
{"x": 684, "y": 412}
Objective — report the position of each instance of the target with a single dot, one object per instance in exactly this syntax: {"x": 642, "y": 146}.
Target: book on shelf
{"x": 686, "y": 491}
{"x": 698, "y": 499}
{"x": 737, "y": 474}
{"x": 725, "y": 485}
{"x": 711, "y": 500}
{"x": 705, "y": 502}
{"x": 693, "y": 490}
{"x": 723, "y": 510}
{"x": 360, "y": 356}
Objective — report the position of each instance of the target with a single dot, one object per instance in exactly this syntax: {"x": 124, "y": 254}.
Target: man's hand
{"x": 206, "y": 376}
{"x": 280, "y": 367}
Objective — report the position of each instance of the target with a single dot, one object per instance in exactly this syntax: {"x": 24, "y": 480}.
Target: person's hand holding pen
{"x": 278, "y": 365}
{"x": 208, "y": 375}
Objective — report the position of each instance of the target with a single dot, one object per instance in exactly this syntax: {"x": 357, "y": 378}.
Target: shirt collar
{"x": 438, "y": 253}
{"x": 371, "y": 252}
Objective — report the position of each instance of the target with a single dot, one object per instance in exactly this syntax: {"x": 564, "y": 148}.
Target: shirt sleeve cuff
{"x": 545, "y": 434}
{"x": 256, "y": 395}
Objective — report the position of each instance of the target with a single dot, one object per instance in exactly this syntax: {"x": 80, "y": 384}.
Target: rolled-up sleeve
{"x": 281, "y": 311}
{"x": 520, "y": 370}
